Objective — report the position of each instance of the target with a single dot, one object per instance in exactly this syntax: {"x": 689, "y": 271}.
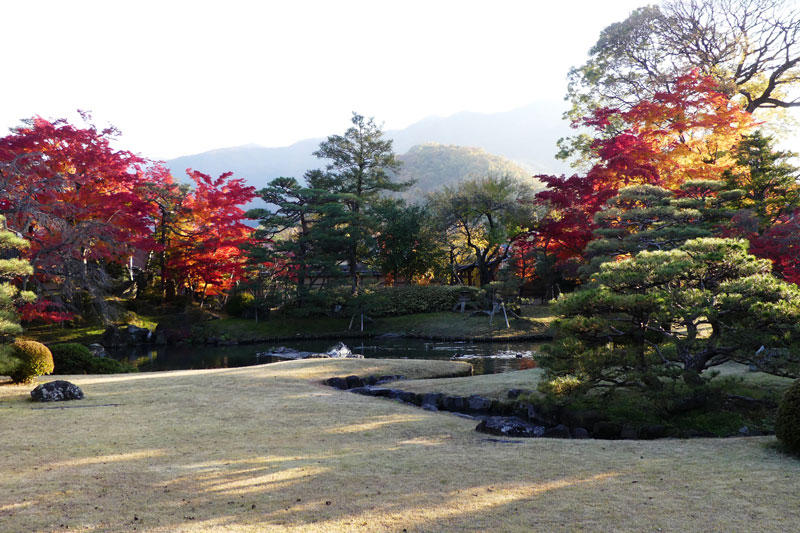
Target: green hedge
{"x": 411, "y": 299}
{"x": 74, "y": 358}
{"x": 384, "y": 301}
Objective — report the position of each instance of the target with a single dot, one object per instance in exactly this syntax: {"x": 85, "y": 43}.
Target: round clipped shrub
{"x": 74, "y": 358}
{"x": 71, "y": 358}
{"x": 35, "y": 359}
{"x": 787, "y": 424}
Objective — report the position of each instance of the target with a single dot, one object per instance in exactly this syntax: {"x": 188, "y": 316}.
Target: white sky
{"x": 184, "y": 77}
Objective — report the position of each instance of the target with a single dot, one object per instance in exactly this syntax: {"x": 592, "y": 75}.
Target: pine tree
{"x": 361, "y": 162}
{"x": 11, "y": 268}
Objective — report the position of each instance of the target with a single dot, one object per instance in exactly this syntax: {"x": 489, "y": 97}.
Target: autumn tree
{"x": 81, "y": 203}
{"x": 359, "y": 169}
{"x": 674, "y": 314}
{"x": 485, "y": 216}
{"x": 204, "y": 252}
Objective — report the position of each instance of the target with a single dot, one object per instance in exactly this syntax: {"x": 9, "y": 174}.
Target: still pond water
{"x": 486, "y": 358}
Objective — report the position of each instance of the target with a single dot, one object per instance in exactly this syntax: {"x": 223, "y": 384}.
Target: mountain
{"x": 526, "y": 136}
{"x": 435, "y": 165}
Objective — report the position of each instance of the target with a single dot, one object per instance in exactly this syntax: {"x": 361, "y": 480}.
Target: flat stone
{"x": 57, "y": 391}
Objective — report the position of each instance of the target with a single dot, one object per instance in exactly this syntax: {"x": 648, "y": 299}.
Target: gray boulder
{"x": 56, "y": 391}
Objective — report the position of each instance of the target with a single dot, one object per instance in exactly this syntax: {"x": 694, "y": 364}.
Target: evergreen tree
{"x": 766, "y": 177}
{"x": 298, "y": 237}
{"x": 361, "y": 161}
{"x": 676, "y": 313}
{"x": 408, "y": 245}
{"x": 641, "y": 217}
{"x": 11, "y": 267}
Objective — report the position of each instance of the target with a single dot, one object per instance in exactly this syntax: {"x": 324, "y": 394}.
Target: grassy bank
{"x": 269, "y": 448}
{"x": 434, "y": 325}
{"x": 445, "y": 325}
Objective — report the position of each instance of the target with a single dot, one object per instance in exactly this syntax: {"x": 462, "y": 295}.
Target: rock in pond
{"x": 56, "y": 391}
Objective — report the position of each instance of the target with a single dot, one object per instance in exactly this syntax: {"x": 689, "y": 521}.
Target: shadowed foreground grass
{"x": 269, "y": 448}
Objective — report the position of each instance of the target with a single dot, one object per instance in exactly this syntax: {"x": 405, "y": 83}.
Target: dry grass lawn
{"x": 268, "y": 448}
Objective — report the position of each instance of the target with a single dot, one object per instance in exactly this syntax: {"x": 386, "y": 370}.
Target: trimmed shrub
{"x": 412, "y": 299}
{"x": 240, "y": 303}
{"x": 34, "y": 358}
{"x": 74, "y": 358}
{"x": 787, "y": 424}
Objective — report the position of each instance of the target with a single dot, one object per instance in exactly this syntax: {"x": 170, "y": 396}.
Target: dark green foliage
{"x": 240, "y": 303}
{"x": 34, "y": 359}
{"x": 642, "y": 217}
{"x": 408, "y": 245}
{"x": 668, "y": 315}
{"x": 360, "y": 167}
{"x": 74, "y": 358}
{"x": 386, "y": 301}
{"x": 299, "y": 242}
{"x": 410, "y": 299}
{"x": 787, "y": 425}
{"x": 766, "y": 179}
{"x": 481, "y": 219}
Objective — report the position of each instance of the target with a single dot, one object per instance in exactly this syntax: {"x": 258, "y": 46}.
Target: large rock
{"x": 479, "y": 404}
{"x": 509, "y": 427}
{"x": 56, "y": 391}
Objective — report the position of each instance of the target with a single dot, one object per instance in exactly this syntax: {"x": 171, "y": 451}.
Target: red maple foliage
{"x": 205, "y": 254}
{"x": 73, "y": 196}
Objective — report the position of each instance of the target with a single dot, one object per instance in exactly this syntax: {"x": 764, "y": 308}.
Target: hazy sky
{"x": 184, "y": 77}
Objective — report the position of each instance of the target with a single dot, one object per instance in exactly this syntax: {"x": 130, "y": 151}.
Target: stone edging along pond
{"x": 511, "y": 417}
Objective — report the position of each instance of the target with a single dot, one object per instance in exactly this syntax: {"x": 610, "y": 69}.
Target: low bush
{"x": 34, "y": 359}
{"x": 384, "y": 301}
{"x": 74, "y": 358}
{"x": 787, "y": 424}
{"x": 411, "y": 299}
{"x": 240, "y": 303}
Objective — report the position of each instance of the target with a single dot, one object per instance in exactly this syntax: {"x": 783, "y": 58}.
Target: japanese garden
{"x": 437, "y": 340}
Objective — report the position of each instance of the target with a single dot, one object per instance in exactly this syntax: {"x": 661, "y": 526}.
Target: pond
{"x": 486, "y": 358}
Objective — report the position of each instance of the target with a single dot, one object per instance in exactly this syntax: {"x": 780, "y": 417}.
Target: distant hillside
{"x": 435, "y": 165}
{"x": 526, "y": 136}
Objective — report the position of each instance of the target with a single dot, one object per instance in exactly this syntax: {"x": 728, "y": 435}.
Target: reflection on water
{"x": 486, "y": 358}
